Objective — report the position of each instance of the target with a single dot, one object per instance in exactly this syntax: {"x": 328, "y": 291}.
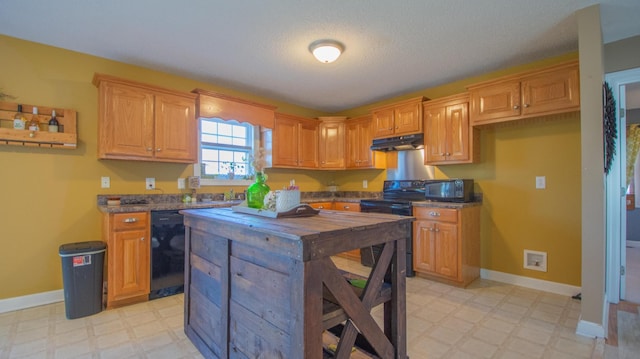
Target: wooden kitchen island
{"x": 258, "y": 287}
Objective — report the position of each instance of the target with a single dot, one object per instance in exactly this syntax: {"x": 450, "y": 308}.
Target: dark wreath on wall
{"x": 609, "y": 126}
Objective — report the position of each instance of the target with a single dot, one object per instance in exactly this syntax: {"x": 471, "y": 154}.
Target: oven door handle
{"x": 399, "y": 206}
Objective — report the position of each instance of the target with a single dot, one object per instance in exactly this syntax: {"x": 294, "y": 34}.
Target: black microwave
{"x": 450, "y": 190}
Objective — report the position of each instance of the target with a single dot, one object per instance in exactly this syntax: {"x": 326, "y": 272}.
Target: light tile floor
{"x": 486, "y": 320}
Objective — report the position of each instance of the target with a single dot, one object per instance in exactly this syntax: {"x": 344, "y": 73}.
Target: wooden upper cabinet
{"x": 448, "y": 135}
{"x": 295, "y": 142}
{"x": 143, "y": 122}
{"x": 331, "y": 152}
{"x": 175, "y": 127}
{"x": 402, "y": 118}
{"x": 551, "y": 90}
{"x": 359, "y": 134}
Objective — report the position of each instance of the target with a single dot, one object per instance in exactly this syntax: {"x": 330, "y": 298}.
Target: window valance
{"x": 212, "y": 104}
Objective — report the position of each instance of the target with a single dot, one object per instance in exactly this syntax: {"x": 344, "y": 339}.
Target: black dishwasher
{"x": 167, "y": 253}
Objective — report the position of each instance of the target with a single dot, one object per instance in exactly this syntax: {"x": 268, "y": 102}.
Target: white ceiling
{"x": 261, "y": 47}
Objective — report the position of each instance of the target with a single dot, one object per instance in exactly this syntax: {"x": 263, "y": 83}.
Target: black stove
{"x": 397, "y": 197}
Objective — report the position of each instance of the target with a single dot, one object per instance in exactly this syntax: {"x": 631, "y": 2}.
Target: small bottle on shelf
{"x": 34, "y": 124}
{"x": 19, "y": 120}
{"x": 53, "y": 122}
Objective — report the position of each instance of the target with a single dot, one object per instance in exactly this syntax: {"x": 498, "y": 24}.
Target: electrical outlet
{"x": 541, "y": 182}
{"x": 105, "y": 182}
{"x": 365, "y": 183}
{"x": 181, "y": 183}
{"x": 150, "y": 183}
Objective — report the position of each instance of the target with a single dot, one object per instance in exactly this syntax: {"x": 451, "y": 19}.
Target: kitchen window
{"x": 225, "y": 147}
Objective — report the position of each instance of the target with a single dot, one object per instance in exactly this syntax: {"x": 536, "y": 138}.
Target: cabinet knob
{"x": 142, "y": 239}
{"x": 158, "y": 149}
{"x": 320, "y": 207}
{"x": 149, "y": 149}
{"x": 346, "y": 207}
{"x": 434, "y": 214}
{"x": 323, "y": 162}
{"x": 130, "y": 220}
{"x": 526, "y": 105}
{"x": 515, "y": 107}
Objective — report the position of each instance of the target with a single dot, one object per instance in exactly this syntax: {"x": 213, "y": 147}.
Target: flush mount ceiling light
{"x": 326, "y": 51}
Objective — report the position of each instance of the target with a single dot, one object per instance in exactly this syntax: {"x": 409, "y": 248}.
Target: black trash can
{"x": 82, "y": 264}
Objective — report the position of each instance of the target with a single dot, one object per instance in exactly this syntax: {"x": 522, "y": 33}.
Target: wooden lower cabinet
{"x": 341, "y": 206}
{"x": 321, "y": 205}
{"x": 128, "y": 257}
{"x": 446, "y": 244}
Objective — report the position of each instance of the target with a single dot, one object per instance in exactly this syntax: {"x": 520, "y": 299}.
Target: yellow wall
{"x": 48, "y": 197}
{"x": 515, "y": 216}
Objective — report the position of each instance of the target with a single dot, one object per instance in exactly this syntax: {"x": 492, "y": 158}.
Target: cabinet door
{"x": 366, "y": 157}
{"x": 126, "y": 124}
{"x": 495, "y": 102}
{"x": 332, "y": 141}
{"x": 130, "y": 258}
{"x": 435, "y": 135}
{"x": 408, "y": 119}
{"x": 424, "y": 246}
{"x": 285, "y": 142}
{"x": 359, "y": 136}
{"x": 551, "y": 92}
{"x": 308, "y": 144}
{"x": 383, "y": 123}
{"x": 176, "y": 129}
{"x": 352, "y": 139}
{"x": 446, "y": 249}
{"x": 457, "y": 138}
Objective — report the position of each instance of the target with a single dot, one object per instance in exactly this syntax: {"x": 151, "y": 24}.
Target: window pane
{"x": 209, "y": 126}
{"x": 224, "y": 140}
{"x": 225, "y": 129}
{"x": 209, "y": 138}
{"x": 240, "y": 131}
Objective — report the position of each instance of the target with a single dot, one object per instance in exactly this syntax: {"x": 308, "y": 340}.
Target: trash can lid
{"x": 89, "y": 247}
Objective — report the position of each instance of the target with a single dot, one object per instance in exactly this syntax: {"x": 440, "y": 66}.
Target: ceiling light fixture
{"x": 326, "y": 51}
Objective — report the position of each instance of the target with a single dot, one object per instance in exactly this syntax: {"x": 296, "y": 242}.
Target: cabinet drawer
{"x": 436, "y": 214}
{"x": 133, "y": 220}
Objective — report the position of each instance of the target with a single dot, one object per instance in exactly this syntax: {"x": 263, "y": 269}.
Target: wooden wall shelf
{"x": 42, "y": 138}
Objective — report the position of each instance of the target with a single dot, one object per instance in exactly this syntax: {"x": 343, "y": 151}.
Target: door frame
{"x": 615, "y": 191}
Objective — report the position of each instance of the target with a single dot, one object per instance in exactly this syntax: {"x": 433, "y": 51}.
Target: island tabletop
{"x": 258, "y": 287}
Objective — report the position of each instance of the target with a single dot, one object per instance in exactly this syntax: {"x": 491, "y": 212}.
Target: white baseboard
{"x": 538, "y": 284}
{"x": 33, "y": 300}
{"x": 634, "y": 244}
{"x": 590, "y": 329}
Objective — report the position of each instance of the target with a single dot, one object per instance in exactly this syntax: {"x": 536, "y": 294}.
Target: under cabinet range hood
{"x": 400, "y": 143}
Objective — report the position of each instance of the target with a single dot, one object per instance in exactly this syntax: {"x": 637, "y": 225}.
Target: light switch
{"x": 541, "y": 182}
{"x": 181, "y": 183}
{"x": 365, "y": 183}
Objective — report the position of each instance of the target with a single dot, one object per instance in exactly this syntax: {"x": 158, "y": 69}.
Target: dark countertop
{"x": 165, "y": 206}
{"x": 454, "y": 205}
